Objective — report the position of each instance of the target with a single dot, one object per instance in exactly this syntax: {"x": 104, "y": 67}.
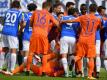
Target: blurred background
{"x": 5, "y": 4}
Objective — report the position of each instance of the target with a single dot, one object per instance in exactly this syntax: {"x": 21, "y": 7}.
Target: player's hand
{"x": 19, "y": 33}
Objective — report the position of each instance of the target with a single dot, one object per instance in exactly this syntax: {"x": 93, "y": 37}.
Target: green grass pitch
{"x": 103, "y": 76}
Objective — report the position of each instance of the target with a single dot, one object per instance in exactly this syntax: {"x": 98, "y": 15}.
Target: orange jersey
{"x": 89, "y": 24}
{"x": 41, "y": 20}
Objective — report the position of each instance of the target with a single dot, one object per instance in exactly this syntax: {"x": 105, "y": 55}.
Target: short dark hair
{"x": 46, "y": 4}
{"x": 93, "y": 7}
{"x": 69, "y": 3}
{"x": 71, "y": 11}
{"x": 31, "y": 7}
{"x": 15, "y": 4}
{"x": 56, "y": 5}
{"x": 100, "y": 8}
{"x": 82, "y": 6}
{"x": 60, "y": 13}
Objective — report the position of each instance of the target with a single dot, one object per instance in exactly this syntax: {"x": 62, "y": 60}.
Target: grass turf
{"x": 103, "y": 76}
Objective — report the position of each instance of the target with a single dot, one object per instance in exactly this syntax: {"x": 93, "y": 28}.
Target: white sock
{"x": 65, "y": 65}
{"x": 2, "y": 57}
{"x": 70, "y": 58}
{"x": 8, "y": 61}
{"x": 13, "y": 61}
{"x": 105, "y": 63}
{"x": 98, "y": 64}
{"x": 85, "y": 69}
{"x": 25, "y": 59}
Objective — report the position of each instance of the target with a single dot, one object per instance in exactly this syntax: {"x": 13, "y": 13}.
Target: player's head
{"x": 101, "y": 10}
{"x": 60, "y": 14}
{"x": 57, "y": 7}
{"x": 69, "y": 5}
{"x": 93, "y": 8}
{"x": 31, "y": 7}
{"x": 46, "y": 5}
{"x": 73, "y": 11}
{"x": 83, "y": 9}
{"x": 15, "y": 4}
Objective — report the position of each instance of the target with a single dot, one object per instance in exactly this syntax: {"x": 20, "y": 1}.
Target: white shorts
{"x": 10, "y": 41}
{"x": 26, "y": 45}
{"x": 67, "y": 45}
{"x": 105, "y": 48}
{"x": 98, "y": 47}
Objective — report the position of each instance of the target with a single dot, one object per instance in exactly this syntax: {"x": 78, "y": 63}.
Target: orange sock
{"x": 90, "y": 67}
{"x": 29, "y": 61}
{"x": 19, "y": 69}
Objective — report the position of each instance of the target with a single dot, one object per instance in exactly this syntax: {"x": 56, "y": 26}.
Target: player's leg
{"x": 90, "y": 68}
{"x": 105, "y": 54}
{"x": 98, "y": 60}
{"x": 91, "y": 54}
{"x": 13, "y": 45}
{"x": 29, "y": 62}
{"x": 4, "y": 45}
{"x": 71, "y": 54}
{"x": 80, "y": 51}
{"x": 84, "y": 66}
{"x": 20, "y": 49}
{"x": 63, "y": 51}
{"x": 25, "y": 50}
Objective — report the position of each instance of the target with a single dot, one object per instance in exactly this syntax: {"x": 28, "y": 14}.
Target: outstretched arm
{"x": 70, "y": 21}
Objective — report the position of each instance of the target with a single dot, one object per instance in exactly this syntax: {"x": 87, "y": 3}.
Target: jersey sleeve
{"x": 53, "y": 20}
{"x": 78, "y": 19}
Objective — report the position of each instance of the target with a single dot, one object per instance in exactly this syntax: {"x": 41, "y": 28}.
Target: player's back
{"x": 69, "y": 29}
{"x": 41, "y": 22}
{"x": 89, "y": 24}
{"x": 11, "y": 23}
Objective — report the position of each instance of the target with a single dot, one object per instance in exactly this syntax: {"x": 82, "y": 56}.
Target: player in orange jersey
{"x": 86, "y": 42}
{"x": 40, "y": 23}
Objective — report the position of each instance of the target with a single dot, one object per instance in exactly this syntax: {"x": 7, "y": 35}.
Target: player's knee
{"x": 64, "y": 55}
{"x": 97, "y": 55}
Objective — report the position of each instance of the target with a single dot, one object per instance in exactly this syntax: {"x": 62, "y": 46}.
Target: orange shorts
{"x": 85, "y": 49}
{"x": 39, "y": 44}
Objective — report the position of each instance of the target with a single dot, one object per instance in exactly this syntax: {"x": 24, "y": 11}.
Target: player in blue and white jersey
{"x": 100, "y": 13}
{"x": 13, "y": 18}
{"x": 68, "y": 38}
{"x": 28, "y": 30}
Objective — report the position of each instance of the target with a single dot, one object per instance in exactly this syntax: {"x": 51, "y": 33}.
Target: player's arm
{"x": 32, "y": 20}
{"x": 22, "y": 22}
{"x": 100, "y": 26}
{"x": 70, "y": 21}
{"x": 54, "y": 21}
